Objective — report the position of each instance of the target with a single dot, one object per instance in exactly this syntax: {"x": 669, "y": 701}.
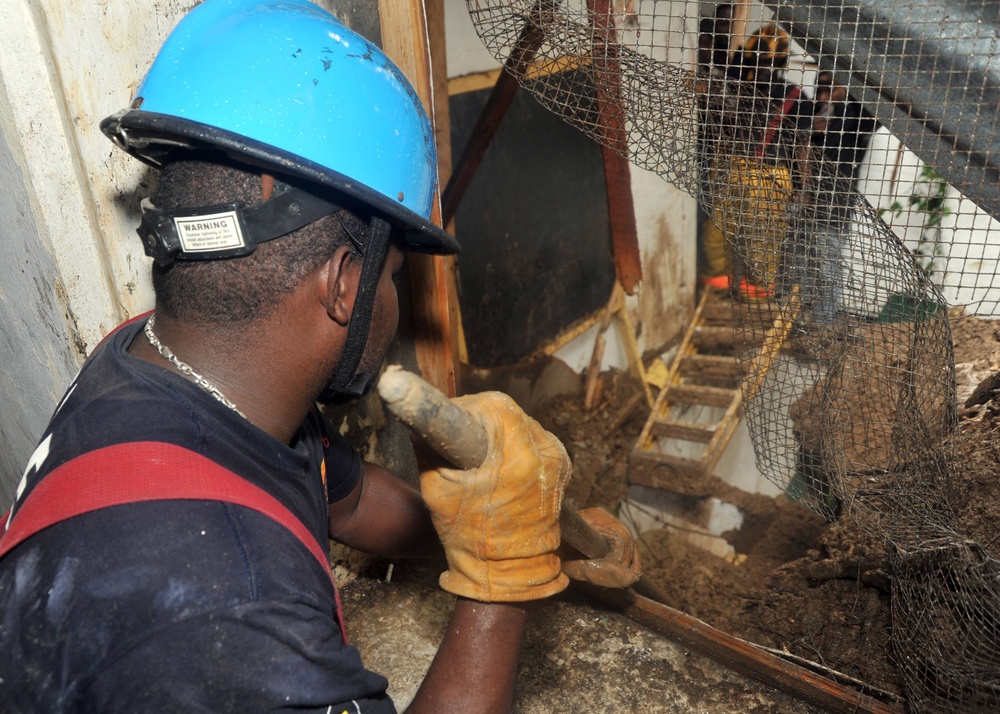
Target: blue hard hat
{"x": 284, "y": 85}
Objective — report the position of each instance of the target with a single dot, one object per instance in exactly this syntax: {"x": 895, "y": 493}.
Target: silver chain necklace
{"x": 185, "y": 368}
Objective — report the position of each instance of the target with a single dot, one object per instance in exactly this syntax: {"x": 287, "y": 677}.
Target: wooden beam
{"x": 406, "y": 41}
{"x": 442, "y": 134}
{"x": 489, "y": 119}
{"x": 614, "y": 147}
{"x": 538, "y": 69}
{"x": 745, "y": 657}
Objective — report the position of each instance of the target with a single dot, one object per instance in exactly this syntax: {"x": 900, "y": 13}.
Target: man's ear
{"x": 338, "y": 284}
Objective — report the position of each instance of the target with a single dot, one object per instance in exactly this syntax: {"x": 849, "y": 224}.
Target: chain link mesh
{"x": 798, "y": 126}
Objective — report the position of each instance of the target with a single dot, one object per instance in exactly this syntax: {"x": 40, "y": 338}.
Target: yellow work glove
{"x": 620, "y": 567}
{"x": 499, "y": 523}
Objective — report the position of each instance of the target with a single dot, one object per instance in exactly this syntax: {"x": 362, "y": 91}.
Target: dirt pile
{"x": 815, "y": 590}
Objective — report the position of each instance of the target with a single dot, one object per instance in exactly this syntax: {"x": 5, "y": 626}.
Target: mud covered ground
{"x": 806, "y": 588}
{"x": 815, "y": 590}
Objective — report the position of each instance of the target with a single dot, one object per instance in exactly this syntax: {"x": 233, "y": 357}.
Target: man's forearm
{"x": 385, "y": 516}
{"x": 476, "y": 666}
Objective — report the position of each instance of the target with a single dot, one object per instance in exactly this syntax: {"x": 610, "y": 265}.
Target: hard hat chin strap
{"x": 347, "y": 381}
{"x": 227, "y": 230}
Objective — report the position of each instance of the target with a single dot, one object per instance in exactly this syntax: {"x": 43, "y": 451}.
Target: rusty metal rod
{"x": 746, "y": 658}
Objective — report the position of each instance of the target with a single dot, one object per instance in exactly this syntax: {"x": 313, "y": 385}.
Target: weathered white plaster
{"x": 44, "y": 129}
{"x": 36, "y": 363}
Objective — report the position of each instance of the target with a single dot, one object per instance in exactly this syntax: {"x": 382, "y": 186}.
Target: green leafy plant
{"x": 928, "y": 197}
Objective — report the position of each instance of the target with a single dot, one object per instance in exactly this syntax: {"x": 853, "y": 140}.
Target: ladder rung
{"x": 711, "y": 366}
{"x": 717, "y": 313}
{"x": 650, "y": 468}
{"x": 683, "y": 431}
{"x": 699, "y": 394}
{"x": 713, "y": 360}
{"x": 713, "y": 338}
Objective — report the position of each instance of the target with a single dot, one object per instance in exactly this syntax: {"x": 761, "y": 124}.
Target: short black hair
{"x": 215, "y": 292}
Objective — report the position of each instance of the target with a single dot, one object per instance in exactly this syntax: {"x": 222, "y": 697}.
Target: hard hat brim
{"x": 155, "y": 138}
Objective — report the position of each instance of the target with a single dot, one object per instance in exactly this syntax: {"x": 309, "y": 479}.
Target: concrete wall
{"x": 33, "y": 326}
{"x": 69, "y": 274}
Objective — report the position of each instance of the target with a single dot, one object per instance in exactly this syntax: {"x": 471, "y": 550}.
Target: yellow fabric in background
{"x": 749, "y": 201}
{"x": 713, "y": 250}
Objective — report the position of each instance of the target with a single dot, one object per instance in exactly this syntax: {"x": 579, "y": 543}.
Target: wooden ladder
{"x": 697, "y": 410}
{"x": 699, "y": 407}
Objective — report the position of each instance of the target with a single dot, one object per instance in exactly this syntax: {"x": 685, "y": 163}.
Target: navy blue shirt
{"x": 179, "y": 606}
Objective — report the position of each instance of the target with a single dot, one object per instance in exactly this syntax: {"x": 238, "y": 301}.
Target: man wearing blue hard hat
{"x": 167, "y": 551}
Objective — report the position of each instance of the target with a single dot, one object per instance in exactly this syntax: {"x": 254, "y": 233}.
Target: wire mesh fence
{"x": 845, "y": 155}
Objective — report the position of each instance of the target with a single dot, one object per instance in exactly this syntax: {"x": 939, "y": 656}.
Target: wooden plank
{"x": 709, "y": 338}
{"x": 645, "y": 440}
{"x": 627, "y": 333}
{"x": 700, "y": 394}
{"x": 621, "y": 211}
{"x": 688, "y": 342}
{"x": 439, "y": 82}
{"x": 475, "y": 81}
{"x": 569, "y": 334}
{"x": 405, "y": 41}
{"x": 709, "y": 363}
{"x": 702, "y": 367}
{"x": 617, "y": 175}
{"x": 774, "y": 338}
{"x": 679, "y": 466}
{"x": 724, "y": 432}
{"x": 718, "y": 310}
{"x": 597, "y": 355}
{"x": 624, "y": 413}
{"x": 489, "y": 120}
{"x": 442, "y": 136}
{"x": 683, "y": 431}
{"x": 744, "y": 657}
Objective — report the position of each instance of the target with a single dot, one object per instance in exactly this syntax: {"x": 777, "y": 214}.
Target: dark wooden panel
{"x": 534, "y": 228}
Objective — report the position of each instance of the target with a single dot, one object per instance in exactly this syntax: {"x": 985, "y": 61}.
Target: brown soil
{"x": 852, "y": 413}
{"x": 817, "y": 591}
{"x": 598, "y": 441}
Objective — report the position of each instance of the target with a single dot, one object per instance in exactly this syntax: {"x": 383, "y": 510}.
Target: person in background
{"x": 714, "y": 38}
{"x": 841, "y": 126}
{"x": 751, "y": 184}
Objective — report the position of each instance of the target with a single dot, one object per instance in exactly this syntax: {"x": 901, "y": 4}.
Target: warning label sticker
{"x": 210, "y": 232}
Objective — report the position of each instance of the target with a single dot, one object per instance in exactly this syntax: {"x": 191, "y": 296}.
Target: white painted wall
{"x": 72, "y": 270}
{"x": 967, "y": 267}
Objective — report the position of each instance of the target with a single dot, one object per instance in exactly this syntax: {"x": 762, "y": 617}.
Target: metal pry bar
{"x": 454, "y": 435}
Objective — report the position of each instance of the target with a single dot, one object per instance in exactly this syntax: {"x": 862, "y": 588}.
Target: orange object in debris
{"x": 752, "y": 291}
{"x": 719, "y": 282}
